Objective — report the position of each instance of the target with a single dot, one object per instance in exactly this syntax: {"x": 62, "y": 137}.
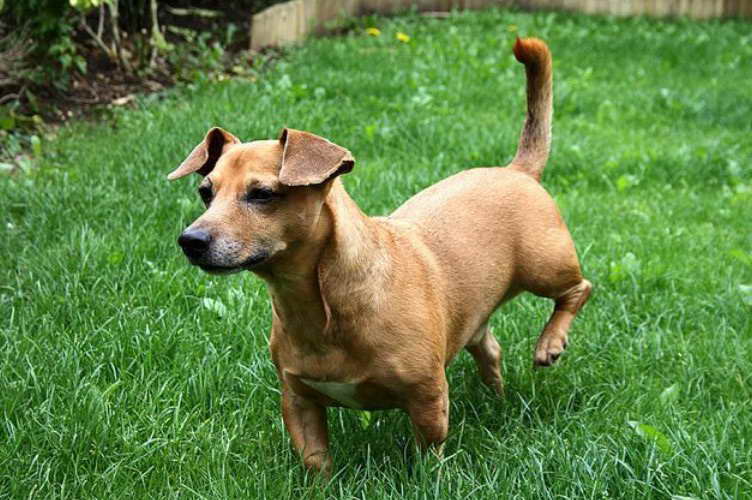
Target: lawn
{"x": 125, "y": 372}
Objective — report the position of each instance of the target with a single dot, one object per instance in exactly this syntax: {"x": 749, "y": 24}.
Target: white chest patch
{"x": 342, "y": 392}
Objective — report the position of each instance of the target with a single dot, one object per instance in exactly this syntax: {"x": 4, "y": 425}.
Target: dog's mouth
{"x": 255, "y": 259}
{"x": 211, "y": 269}
{"x": 248, "y": 264}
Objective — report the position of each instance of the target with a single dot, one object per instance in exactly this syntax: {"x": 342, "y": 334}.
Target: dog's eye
{"x": 261, "y": 195}
{"x": 206, "y": 194}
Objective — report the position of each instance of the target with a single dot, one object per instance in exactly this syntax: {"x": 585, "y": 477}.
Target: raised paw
{"x": 553, "y": 340}
{"x": 549, "y": 350}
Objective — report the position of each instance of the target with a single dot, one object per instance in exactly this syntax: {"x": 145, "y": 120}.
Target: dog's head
{"x": 262, "y": 198}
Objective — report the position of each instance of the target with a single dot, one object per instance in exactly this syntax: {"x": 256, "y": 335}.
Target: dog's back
{"x": 496, "y": 230}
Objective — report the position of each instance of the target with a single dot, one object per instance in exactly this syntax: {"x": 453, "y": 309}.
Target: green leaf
{"x": 7, "y": 121}
{"x": 626, "y": 181}
{"x": 370, "y": 131}
{"x": 365, "y": 417}
{"x": 86, "y": 4}
{"x": 741, "y": 256}
{"x": 629, "y": 265}
{"x": 36, "y": 145}
{"x": 650, "y": 433}
{"x": 214, "y": 305}
{"x": 80, "y": 64}
{"x": 670, "y": 394}
{"x": 111, "y": 388}
{"x": 33, "y": 102}
{"x": 746, "y": 291}
{"x": 115, "y": 258}
{"x": 65, "y": 60}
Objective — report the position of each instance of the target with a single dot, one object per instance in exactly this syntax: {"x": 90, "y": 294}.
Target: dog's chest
{"x": 362, "y": 392}
{"x": 342, "y": 392}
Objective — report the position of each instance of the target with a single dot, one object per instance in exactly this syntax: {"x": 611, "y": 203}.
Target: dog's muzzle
{"x": 217, "y": 256}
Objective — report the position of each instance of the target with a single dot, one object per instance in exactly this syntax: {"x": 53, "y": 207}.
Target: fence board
{"x": 291, "y": 22}
{"x": 745, "y": 8}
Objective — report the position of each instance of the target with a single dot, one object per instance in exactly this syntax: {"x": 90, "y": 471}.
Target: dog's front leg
{"x": 306, "y": 423}
{"x": 429, "y": 414}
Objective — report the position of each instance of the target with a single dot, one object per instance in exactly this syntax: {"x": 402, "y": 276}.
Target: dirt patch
{"x": 224, "y": 34}
{"x": 200, "y": 45}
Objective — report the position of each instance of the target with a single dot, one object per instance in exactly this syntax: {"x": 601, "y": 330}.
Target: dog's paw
{"x": 548, "y": 351}
{"x": 320, "y": 463}
{"x": 495, "y": 384}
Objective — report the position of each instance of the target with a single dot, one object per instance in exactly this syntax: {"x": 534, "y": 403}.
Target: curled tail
{"x": 535, "y": 140}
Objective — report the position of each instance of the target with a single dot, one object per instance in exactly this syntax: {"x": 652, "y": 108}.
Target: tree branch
{"x": 97, "y": 38}
{"x": 100, "y": 26}
{"x": 118, "y": 48}
{"x": 156, "y": 35}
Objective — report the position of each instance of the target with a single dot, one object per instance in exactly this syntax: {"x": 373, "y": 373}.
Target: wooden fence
{"x": 291, "y": 22}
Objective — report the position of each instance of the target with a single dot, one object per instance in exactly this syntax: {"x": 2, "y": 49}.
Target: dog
{"x": 367, "y": 312}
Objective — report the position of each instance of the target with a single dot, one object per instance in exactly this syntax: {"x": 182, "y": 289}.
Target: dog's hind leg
{"x": 487, "y": 354}
{"x": 553, "y": 339}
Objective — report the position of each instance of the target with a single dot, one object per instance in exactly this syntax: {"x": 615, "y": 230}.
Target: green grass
{"x": 118, "y": 378}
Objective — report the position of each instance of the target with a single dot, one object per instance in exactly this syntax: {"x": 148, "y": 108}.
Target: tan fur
{"x": 372, "y": 310}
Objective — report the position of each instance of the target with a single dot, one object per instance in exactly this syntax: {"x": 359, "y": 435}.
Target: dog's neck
{"x": 321, "y": 279}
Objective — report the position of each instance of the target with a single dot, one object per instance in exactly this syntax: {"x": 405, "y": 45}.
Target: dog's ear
{"x": 309, "y": 159}
{"x": 204, "y": 156}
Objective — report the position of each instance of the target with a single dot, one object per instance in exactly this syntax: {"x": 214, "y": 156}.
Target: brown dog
{"x": 368, "y": 312}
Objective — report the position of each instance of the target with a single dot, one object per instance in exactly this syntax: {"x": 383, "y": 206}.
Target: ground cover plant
{"x": 61, "y": 60}
{"x": 126, "y": 372}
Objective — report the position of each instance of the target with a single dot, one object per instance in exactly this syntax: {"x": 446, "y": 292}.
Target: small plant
{"x": 75, "y": 52}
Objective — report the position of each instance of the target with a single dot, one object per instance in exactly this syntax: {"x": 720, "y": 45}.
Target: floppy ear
{"x": 204, "y": 156}
{"x": 309, "y": 159}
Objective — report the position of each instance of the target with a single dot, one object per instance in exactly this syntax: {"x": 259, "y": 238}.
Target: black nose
{"x": 194, "y": 242}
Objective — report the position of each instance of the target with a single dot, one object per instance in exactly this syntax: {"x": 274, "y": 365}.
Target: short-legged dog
{"x": 369, "y": 311}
